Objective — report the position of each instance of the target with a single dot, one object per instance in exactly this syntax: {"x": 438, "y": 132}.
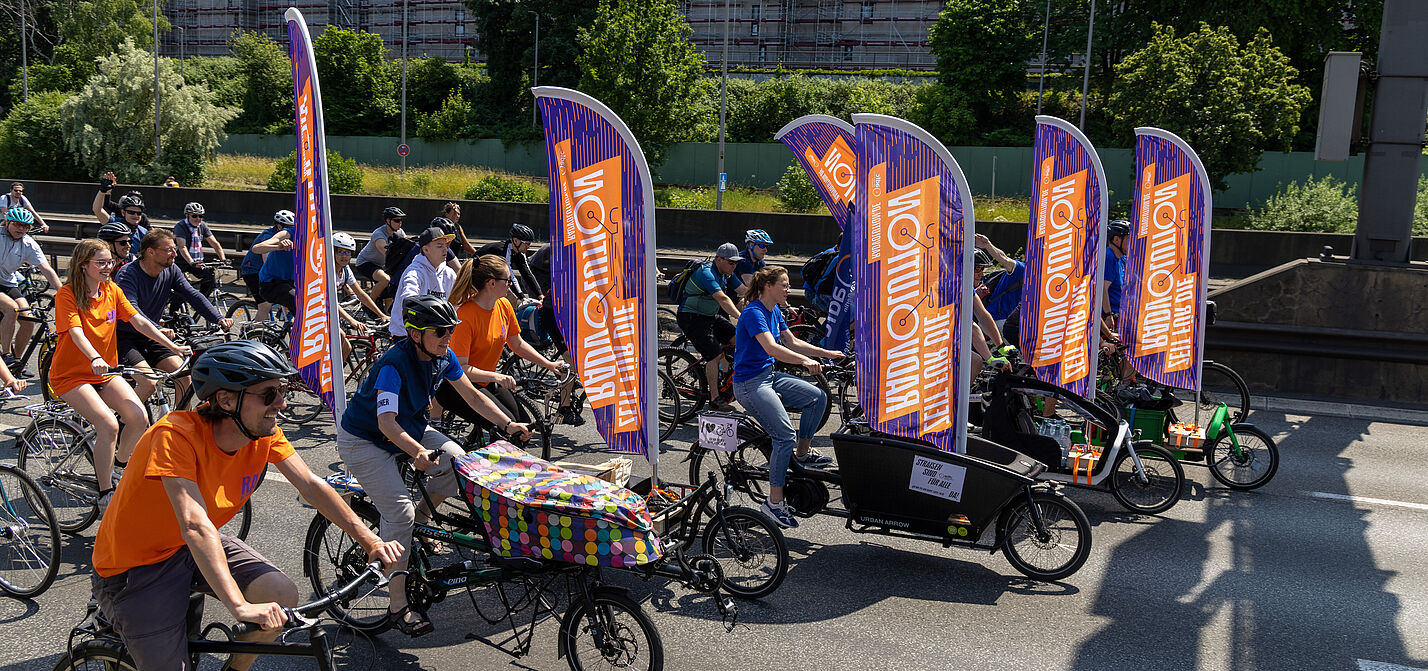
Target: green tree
{"x": 267, "y": 81}
{"x": 447, "y": 123}
{"x": 1228, "y": 102}
{"x": 109, "y": 124}
{"x": 358, "y": 95}
{"x": 92, "y": 29}
{"x": 430, "y": 82}
{"x": 982, "y": 48}
{"x": 505, "y": 32}
{"x": 46, "y": 78}
{"x": 796, "y": 192}
{"x": 637, "y": 58}
{"x": 32, "y": 140}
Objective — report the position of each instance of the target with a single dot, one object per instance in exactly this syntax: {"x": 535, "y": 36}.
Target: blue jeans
{"x": 765, "y": 396}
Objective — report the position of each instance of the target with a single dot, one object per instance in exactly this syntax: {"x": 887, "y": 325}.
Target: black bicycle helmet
{"x": 394, "y": 212}
{"x": 1117, "y": 227}
{"x": 424, "y": 311}
{"x": 442, "y": 223}
{"x": 237, "y": 365}
{"x": 113, "y": 231}
{"x": 522, "y": 232}
{"x": 131, "y": 200}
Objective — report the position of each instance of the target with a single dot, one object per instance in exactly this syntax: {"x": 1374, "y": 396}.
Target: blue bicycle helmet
{"x": 20, "y": 215}
{"x": 758, "y": 235}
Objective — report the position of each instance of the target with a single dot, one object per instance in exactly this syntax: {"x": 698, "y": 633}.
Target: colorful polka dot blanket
{"x": 533, "y": 508}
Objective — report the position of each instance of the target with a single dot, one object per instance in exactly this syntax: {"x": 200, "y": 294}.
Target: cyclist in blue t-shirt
{"x": 699, "y": 318}
{"x": 387, "y": 418}
{"x": 751, "y": 260}
{"x": 765, "y": 392}
{"x": 253, "y": 261}
{"x": 275, "y": 277}
{"x": 1113, "y": 275}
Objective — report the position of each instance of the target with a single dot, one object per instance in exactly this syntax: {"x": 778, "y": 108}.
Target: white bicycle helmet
{"x": 193, "y": 208}
{"x": 342, "y": 240}
{"x": 285, "y": 218}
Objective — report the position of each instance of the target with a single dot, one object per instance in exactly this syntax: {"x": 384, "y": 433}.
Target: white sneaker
{"x": 103, "y": 501}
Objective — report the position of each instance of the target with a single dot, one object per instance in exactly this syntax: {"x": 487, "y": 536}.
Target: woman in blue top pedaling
{"x": 764, "y": 392}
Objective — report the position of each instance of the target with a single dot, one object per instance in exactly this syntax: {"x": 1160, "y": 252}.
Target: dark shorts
{"x": 365, "y": 269}
{"x": 139, "y": 350}
{"x": 13, "y": 292}
{"x": 255, "y": 286}
{"x": 546, "y": 315}
{"x": 708, "y": 333}
{"x": 505, "y": 399}
{"x": 148, "y": 605}
{"x": 280, "y": 292}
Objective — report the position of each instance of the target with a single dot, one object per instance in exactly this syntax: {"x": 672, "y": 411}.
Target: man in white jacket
{"x": 427, "y": 274}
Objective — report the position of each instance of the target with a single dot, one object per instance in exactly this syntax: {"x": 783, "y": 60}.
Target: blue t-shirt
{"x": 1115, "y": 271}
{"x": 704, "y": 282}
{"x": 750, "y": 358}
{"x": 252, "y": 262}
{"x": 401, "y": 372}
{"x": 746, "y": 266}
{"x": 278, "y": 265}
{"x": 1006, "y": 296}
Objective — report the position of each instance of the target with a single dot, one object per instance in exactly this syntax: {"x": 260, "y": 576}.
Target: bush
{"x": 343, "y": 175}
{"x": 32, "y": 140}
{"x": 45, "y": 78}
{"x": 506, "y": 189}
{"x": 1321, "y": 206}
{"x": 447, "y": 123}
{"x": 796, "y": 192}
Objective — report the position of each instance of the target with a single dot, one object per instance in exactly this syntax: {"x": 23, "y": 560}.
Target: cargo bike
{"x": 527, "y": 535}
{"x": 1239, "y": 454}
{"x": 990, "y": 498}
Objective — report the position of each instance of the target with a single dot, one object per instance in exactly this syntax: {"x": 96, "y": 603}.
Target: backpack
{"x": 678, "y": 288}
{"x": 815, "y": 269}
{"x": 398, "y": 249}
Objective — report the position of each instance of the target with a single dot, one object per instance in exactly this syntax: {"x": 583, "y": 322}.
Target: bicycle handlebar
{"x": 299, "y": 617}
{"x": 151, "y": 374}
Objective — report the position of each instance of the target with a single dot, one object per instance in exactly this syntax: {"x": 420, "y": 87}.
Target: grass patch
{"x": 1002, "y": 209}
{"x": 446, "y": 181}
{"x": 239, "y": 171}
{"x": 738, "y": 199}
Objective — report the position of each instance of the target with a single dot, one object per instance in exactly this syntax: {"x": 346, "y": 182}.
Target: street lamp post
{"x": 1045, "y": 31}
{"x": 156, "y": 80}
{"x": 24, "y": 55}
{"x": 723, "y": 96}
{"x": 183, "y": 38}
{"x": 535, "y": 72}
{"x": 1086, "y": 77}
{"x": 404, "y": 85}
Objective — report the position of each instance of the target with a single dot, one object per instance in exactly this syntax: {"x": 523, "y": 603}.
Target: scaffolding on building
{"x": 841, "y": 34}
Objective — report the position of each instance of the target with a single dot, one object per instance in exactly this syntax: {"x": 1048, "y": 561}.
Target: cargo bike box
{"x": 533, "y": 508}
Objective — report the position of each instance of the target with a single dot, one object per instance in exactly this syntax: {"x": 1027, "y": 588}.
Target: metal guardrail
{"x": 1383, "y": 346}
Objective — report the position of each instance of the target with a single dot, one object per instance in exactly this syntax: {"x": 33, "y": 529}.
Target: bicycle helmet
{"x": 193, "y": 208}
{"x": 284, "y": 218}
{"x": 442, "y": 223}
{"x": 982, "y": 258}
{"x": 394, "y": 213}
{"x": 131, "y": 200}
{"x": 522, "y": 232}
{"x": 20, "y": 215}
{"x": 113, "y": 231}
{"x": 1117, "y": 227}
{"x": 237, "y": 365}
{"x": 424, "y": 311}
{"x": 342, "y": 240}
{"x": 758, "y": 235}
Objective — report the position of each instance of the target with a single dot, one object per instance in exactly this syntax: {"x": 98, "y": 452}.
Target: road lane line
{"x": 1366, "y": 499}
{"x": 1370, "y": 665}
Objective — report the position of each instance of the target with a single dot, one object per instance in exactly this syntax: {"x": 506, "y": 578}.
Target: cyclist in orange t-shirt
{"x": 488, "y": 325}
{"x": 192, "y": 472}
{"x": 88, "y": 309}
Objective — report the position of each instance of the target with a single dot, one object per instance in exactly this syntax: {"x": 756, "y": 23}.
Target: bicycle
{"x": 29, "y": 538}
{"x": 1218, "y": 384}
{"x": 95, "y": 645}
{"x": 687, "y": 372}
{"x": 181, "y": 316}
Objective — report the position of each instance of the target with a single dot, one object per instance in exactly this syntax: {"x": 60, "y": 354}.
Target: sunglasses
{"x": 137, "y": 213}
{"x": 761, "y": 245}
{"x": 270, "y": 396}
{"x": 438, "y": 331}
{"x": 21, "y": 224}
{"x": 123, "y": 243}
{"x": 195, "y": 216}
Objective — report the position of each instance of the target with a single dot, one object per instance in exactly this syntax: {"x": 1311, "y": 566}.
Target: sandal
{"x": 413, "y": 628}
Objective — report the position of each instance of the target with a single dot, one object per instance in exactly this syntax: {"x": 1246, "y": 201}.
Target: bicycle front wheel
{"x": 304, "y": 405}
{"x": 669, "y": 406}
{"x": 1054, "y": 551}
{"x": 1244, "y": 457}
{"x": 332, "y": 559}
{"x": 1158, "y": 491}
{"x": 29, "y": 538}
{"x": 96, "y": 655}
{"x": 58, "y": 455}
{"x": 688, "y": 375}
{"x": 1221, "y": 384}
{"x": 750, "y": 549}
{"x": 610, "y": 631}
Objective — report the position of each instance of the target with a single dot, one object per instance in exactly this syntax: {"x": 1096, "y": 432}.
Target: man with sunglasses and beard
{"x": 189, "y": 475}
{"x": 386, "y": 420}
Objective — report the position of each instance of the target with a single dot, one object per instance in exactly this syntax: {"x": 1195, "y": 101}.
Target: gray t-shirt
{"x": 370, "y": 253}
{"x": 15, "y": 253}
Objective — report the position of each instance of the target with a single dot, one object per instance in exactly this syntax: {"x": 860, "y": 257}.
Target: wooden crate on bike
{"x": 533, "y": 508}
{"x": 615, "y": 471}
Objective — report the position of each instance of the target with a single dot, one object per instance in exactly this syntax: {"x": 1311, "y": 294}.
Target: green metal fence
{"x": 1003, "y": 171}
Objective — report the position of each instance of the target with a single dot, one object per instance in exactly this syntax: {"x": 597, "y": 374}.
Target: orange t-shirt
{"x": 140, "y": 528}
{"x": 482, "y": 334}
{"x": 70, "y": 367}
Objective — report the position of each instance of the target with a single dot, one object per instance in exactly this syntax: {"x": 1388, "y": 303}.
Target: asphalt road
{"x": 1321, "y": 569}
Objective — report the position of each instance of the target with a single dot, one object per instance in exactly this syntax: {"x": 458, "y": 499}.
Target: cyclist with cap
{"x": 523, "y": 280}
{"x": 128, "y": 210}
{"x": 190, "y": 233}
{"x": 275, "y": 276}
{"x": 449, "y": 228}
{"x": 252, "y": 266}
{"x": 17, "y": 248}
{"x": 699, "y": 314}
{"x": 386, "y": 419}
{"x": 751, "y": 260}
{"x": 427, "y": 274}
{"x": 190, "y": 474}
{"x": 373, "y": 256}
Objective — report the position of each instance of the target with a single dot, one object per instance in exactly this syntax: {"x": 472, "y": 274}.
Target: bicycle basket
{"x": 533, "y": 508}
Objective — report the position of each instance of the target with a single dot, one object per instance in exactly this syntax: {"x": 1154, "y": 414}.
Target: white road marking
{"x": 1370, "y": 665}
{"x": 275, "y": 476}
{"x": 1366, "y": 499}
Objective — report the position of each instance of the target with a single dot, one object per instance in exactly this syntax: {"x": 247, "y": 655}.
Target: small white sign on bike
{"x": 937, "y": 478}
{"x": 718, "y": 432}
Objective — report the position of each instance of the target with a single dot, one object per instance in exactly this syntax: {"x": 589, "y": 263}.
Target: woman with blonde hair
{"x": 488, "y": 326}
{"x": 88, "y": 309}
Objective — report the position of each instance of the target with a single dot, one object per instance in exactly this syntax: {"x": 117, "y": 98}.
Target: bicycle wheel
{"x": 48, "y": 392}
{"x": 688, "y": 375}
{"x": 1161, "y": 487}
{"x": 330, "y": 558}
{"x": 1221, "y": 384}
{"x": 750, "y": 460}
{"x": 29, "y": 538}
{"x": 609, "y": 631}
{"x": 242, "y": 311}
{"x": 96, "y": 655}
{"x": 808, "y": 333}
{"x": 240, "y": 524}
{"x": 1054, "y": 553}
{"x": 59, "y": 456}
{"x": 355, "y": 366}
{"x": 668, "y": 322}
{"x": 750, "y": 549}
{"x": 304, "y": 405}
{"x": 1244, "y": 457}
{"x": 669, "y": 406}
